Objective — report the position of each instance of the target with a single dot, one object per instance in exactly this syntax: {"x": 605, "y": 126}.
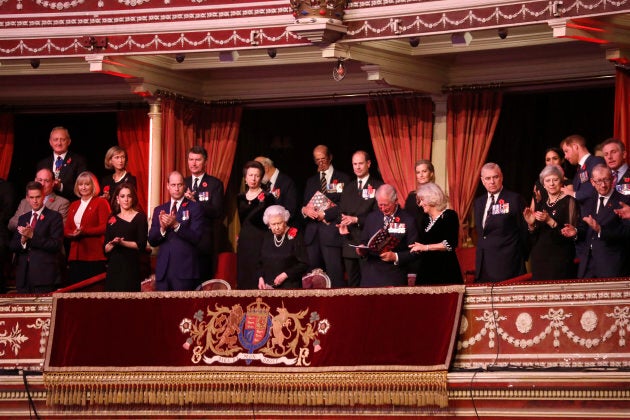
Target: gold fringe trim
{"x": 193, "y": 388}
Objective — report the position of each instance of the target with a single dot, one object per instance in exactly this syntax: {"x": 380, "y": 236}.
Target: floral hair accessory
{"x": 261, "y": 197}
{"x": 112, "y": 220}
{"x": 292, "y": 232}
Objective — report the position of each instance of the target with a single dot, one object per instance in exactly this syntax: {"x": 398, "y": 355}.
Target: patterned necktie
{"x": 196, "y": 184}
{"x": 174, "y": 209}
{"x": 34, "y": 220}
{"x": 323, "y": 187}
{"x": 360, "y": 186}
{"x": 614, "y": 178}
{"x": 58, "y": 163}
{"x": 489, "y": 212}
{"x": 601, "y": 205}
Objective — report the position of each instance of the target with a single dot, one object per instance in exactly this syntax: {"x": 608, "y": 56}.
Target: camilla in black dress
{"x": 125, "y": 240}
{"x": 251, "y": 207}
{"x": 283, "y": 259}
{"x": 552, "y": 254}
{"x": 437, "y": 239}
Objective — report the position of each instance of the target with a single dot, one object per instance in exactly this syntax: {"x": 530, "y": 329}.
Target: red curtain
{"x": 402, "y": 132}
{"x": 6, "y": 144}
{"x": 622, "y": 106}
{"x": 134, "y": 137}
{"x": 471, "y": 120}
{"x": 187, "y": 123}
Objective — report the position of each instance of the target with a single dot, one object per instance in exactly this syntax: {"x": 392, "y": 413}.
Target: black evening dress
{"x": 283, "y": 254}
{"x": 439, "y": 267}
{"x": 123, "y": 264}
{"x": 109, "y": 186}
{"x": 421, "y": 218}
{"x": 552, "y": 255}
{"x": 250, "y": 239}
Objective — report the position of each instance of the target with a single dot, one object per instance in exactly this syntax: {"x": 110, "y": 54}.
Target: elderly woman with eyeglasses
{"x": 437, "y": 239}
{"x": 283, "y": 258}
{"x": 552, "y": 253}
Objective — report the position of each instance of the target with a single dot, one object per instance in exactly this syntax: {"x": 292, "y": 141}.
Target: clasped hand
{"x": 167, "y": 220}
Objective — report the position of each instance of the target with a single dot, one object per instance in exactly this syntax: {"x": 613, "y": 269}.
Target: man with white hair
{"x": 385, "y": 266}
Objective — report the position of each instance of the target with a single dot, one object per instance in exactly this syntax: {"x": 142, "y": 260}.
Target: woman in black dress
{"x": 283, "y": 258}
{"x": 552, "y": 254}
{"x": 116, "y": 159}
{"x": 251, "y": 206}
{"x": 438, "y": 238}
{"x": 125, "y": 241}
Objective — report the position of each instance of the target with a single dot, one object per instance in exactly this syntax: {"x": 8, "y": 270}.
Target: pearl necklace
{"x": 278, "y": 243}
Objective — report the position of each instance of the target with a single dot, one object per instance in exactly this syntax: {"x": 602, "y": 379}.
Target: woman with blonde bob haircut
{"x": 85, "y": 229}
{"x": 437, "y": 239}
{"x": 116, "y": 160}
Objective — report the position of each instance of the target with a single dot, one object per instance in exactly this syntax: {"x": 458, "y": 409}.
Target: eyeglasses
{"x": 602, "y": 181}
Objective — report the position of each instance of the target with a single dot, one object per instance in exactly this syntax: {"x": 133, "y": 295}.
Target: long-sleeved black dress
{"x": 283, "y": 254}
{"x": 123, "y": 264}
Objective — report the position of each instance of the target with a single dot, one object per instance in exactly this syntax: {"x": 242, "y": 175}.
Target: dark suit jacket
{"x": 72, "y": 166}
{"x": 177, "y": 261}
{"x": 211, "y": 207}
{"x": 355, "y": 203}
{"x": 376, "y": 272}
{"x": 502, "y": 243}
{"x": 582, "y": 185}
{"x": 286, "y": 194}
{"x": 326, "y": 234}
{"x": 88, "y": 246}
{"x": 609, "y": 250}
{"x": 37, "y": 265}
{"x": 53, "y": 202}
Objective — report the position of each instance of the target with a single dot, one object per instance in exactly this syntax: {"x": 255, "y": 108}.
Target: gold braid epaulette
{"x": 197, "y": 388}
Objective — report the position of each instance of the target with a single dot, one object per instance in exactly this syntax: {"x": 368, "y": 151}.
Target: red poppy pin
{"x": 584, "y": 167}
{"x": 335, "y": 182}
{"x": 396, "y": 219}
{"x": 41, "y": 217}
{"x": 69, "y": 161}
{"x": 185, "y": 203}
{"x": 626, "y": 180}
{"x": 51, "y": 199}
{"x": 261, "y": 197}
{"x": 204, "y": 184}
{"x": 501, "y": 202}
{"x": 292, "y": 232}
{"x": 111, "y": 220}
{"x": 106, "y": 189}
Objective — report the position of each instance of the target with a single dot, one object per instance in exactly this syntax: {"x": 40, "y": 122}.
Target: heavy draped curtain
{"x": 134, "y": 137}
{"x": 471, "y": 120}
{"x": 188, "y": 123}
{"x": 6, "y": 143}
{"x": 622, "y": 106}
{"x": 402, "y": 132}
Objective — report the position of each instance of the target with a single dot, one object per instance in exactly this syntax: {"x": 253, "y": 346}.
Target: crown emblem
{"x": 310, "y": 11}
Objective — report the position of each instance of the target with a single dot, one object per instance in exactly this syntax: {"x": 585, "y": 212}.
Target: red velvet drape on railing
{"x": 134, "y": 137}
{"x": 402, "y": 132}
{"x": 471, "y": 120}
{"x": 622, "y": 106}
{"x": 187, "y": 123}
{"x": 6, "y": 143}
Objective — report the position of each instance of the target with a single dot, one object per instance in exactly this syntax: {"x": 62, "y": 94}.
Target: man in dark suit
{"x": 51, "y": 200}
{"x": 64, "y": 164}
{"x": 575, "y": 151}
{"x": 176, "y": 227}
{"x": 281, "y": 186}
{"x": 387, "y": 267}
{"x": 357, "y": 201}
{"x": 604, "y": 234}
{"x": 37, "y": 244}
{"x": 501, "y": 229}
{"x": 615, "y": 155}
{"x": 321, "y": 237}
{"x": 208, "y": 192}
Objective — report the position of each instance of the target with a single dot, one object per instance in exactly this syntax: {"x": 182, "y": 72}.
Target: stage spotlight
{"x": 180, "y": 58}
{"x": 35, "y": 63}
{"x": 503, "y": 33}
{"x": 272, "y": 52}
{"x": 414, "y": 41}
